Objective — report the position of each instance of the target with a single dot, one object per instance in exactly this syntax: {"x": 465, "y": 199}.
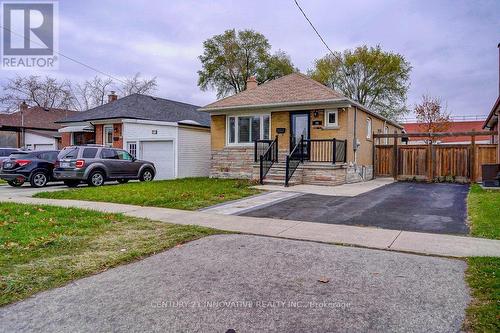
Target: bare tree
{"x": 138, "y": 85}
{"x": 46, "y": 92}
{"x": 49, "y": 92}
{"x": 91, "y": 93}
{"x": 431, "y": 115}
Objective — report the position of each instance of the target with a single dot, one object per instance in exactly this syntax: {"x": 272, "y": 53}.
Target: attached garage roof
{"x": 138, "y": 106}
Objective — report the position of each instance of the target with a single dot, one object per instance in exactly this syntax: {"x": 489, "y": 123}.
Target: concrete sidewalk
{"x": 423, "y": 243}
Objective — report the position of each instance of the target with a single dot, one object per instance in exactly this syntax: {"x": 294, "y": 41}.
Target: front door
{"x": 299, "y": 126}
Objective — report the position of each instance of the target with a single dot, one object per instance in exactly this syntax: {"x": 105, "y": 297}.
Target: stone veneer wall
{"x": 328, "y": 175}
{"x": 359, "y": 173}
{"x": 232, "y": 162}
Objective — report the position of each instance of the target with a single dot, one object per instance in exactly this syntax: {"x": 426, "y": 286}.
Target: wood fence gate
{"x": 444, "y": 162}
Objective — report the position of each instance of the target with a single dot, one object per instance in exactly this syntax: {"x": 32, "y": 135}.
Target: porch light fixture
{"x": 316, "y": 113}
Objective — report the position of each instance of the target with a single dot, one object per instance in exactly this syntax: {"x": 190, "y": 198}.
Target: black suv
{"x": 33, "y": 166}
{"x": 96, "y": 164}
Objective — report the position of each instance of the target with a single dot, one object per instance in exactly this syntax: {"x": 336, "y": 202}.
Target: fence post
{"x": 431, "y": 161}
{"x": 301, "y": 149}
{"x": 255, "y": 152}
{"x": 287, "y": 169}
{"x": 373, "y": 156}
{"x": 334, "y": 150}
{"x": 277, "y": 149}
{"x": 261, "y": 171}
{"x": 345, "y": 151}
{"x": 395, "y": 157}
{"x": 473, "y": 159}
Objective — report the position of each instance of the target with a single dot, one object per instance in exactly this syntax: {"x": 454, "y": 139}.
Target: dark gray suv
{"x": 97, "y": 164}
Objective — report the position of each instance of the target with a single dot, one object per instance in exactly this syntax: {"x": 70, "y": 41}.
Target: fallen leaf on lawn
{"x": 323, "y": 279}
{"x": 40, "y": 210}
{"x": 123, "y": 250}
{"x": 26, "y": 213}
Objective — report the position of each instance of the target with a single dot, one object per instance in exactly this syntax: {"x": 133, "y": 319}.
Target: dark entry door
{"x": 299, "y": 126}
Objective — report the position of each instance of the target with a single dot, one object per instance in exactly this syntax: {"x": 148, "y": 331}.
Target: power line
{"x": 316, "y": 31}
{"x": 68, "y": 57}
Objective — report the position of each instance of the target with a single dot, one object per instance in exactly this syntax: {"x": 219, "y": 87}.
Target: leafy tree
{"x": 431, "y": 115}
{"x": 375, "y": 78}
{"x": 229, "y": 59}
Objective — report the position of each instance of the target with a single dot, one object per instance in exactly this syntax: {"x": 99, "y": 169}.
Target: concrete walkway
{"x": 345, "y": 190}
{"x": 432, "y": 244}
{"x": 246, "y": 204}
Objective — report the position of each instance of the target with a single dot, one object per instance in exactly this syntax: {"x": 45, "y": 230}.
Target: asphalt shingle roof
{"x": 138, "y": 106}
{"x": 36, "y": 117}
{"x": 295, "y": 87}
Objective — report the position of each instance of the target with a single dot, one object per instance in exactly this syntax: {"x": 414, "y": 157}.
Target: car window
{"x": 48, "y": 156}
{"x": 6, "y": 152}
{"x": 109, "y": 154}
{"x": 69, "y": 153}
{"x": 89, "y": 152}
{"x": 19, "y": 154}
{"x": 123, "y": 155}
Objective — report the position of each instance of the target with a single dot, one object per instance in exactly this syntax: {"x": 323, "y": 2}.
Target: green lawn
{"x": 43, "y": 247}
{"x": 483, "y": 277}
{"x": 186, "y": 193}
{"x": 483, "y": 273}
{"x": 484, "y": 212}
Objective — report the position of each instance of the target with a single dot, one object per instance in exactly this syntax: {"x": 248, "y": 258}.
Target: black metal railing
{"x": 268, "y": 158}
{"x": 260, "y": 147}
{"x": 326, "y": 150}
{"x": 296, "y": 156}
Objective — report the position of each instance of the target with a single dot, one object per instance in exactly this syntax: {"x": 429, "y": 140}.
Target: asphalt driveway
{"x": 255, "y": 284}
{"x": 435, "y": 208}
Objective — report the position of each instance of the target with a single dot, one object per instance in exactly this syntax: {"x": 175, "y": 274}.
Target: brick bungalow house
{"x": 455, "y": 126}
{"x": 327, "y": 137}
{"x": 33, "y": 128}
{"x": 173, "y": 135}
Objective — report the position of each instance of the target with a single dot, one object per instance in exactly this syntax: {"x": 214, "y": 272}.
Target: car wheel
{"x": 38, "y": 179}
{"x": 71, "y": 183}
{"x": 15, "y": 183}
{"x": 122, "y": 181}
{"x": 147, "y": 175}
{"x": 96, "y": 178}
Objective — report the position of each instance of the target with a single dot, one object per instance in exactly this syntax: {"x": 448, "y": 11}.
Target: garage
{"x": 161, "y": 153}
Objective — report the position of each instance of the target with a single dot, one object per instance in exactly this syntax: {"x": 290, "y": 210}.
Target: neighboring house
{"x": 33, "y": 128}
{"x": 287, "y": 109}
{"x": 491, "y": 123}
{"x": 455, "y": 126}
{"x": 172, "y": 135}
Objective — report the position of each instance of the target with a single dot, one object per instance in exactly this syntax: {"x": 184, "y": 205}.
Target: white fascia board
{"x": 150, "y": 122}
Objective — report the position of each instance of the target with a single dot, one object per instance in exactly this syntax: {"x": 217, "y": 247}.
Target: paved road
{"x": 255, "y": 284}
{"x": 434, "y": 208}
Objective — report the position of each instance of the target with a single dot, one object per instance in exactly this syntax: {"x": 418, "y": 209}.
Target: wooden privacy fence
{"x": 445, "y": 162}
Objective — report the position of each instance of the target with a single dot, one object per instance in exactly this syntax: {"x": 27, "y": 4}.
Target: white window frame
{"x": 369, "y": 128}
{"x": 386, "y": 131}
{"x": 327, "y": 118}
{"x": 136, "y": 148}
{"x": 104, "y": 127}
{"x": 236, "y": 130}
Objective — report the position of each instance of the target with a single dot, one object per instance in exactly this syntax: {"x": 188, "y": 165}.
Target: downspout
{"x": 355, "y": 140}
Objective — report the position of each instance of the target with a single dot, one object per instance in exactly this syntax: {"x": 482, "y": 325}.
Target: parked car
{"x": 5, "y": 152}
{"x": 33, "y": 166}
{"x": 97, "y": 164}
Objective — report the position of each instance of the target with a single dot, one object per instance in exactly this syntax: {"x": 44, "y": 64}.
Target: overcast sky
{"x": 452, "y": 45}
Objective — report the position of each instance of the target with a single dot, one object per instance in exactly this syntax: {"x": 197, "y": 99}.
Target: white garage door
{"x": 161, "y": 153}
{"x": 43, "y": 146}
